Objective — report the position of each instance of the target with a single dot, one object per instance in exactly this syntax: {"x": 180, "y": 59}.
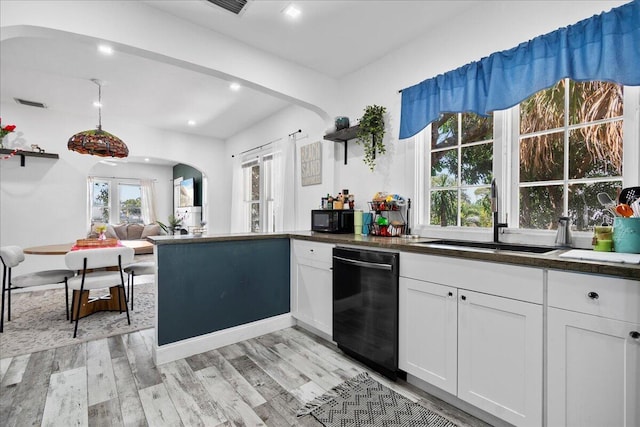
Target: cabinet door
{"x": 428, "y": 332}
{"x": 500, "y": 356}
{"x": 593, "y": 371}
{"x": 314, "y": 292}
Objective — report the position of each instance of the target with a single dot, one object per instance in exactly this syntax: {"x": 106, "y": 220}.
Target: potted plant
{"x": 174, "y": 223}
{"x": 371, "y": 133}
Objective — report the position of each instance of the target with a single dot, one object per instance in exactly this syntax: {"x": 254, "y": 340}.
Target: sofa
{"x": 128, "y": 232}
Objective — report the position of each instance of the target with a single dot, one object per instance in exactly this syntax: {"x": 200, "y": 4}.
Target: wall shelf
{"x": 343, "y": 135}
{"x": 24, "y": 154}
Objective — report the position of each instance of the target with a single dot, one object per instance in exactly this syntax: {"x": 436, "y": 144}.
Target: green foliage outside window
{"x": 562, "y": 118}
{"x": 461, "y": 170}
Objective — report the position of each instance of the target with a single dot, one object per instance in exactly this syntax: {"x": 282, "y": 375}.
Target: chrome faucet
{"x": 494, "y": 208}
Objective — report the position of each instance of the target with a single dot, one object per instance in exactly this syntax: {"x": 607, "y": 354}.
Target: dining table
{"x": 139, "y": 246}
{"x": 90, "y": 304}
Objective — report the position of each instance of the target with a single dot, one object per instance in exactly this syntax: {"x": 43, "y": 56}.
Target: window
{"x": 115, "y": 207}
{"x": 460, "y": 160}
{"x": 100, "y": 206}
{"x": 130, "y": 198}
{"x": 258, "y": 194}
{"x": 570, "y": 149}
{"x": 551, "y": 155}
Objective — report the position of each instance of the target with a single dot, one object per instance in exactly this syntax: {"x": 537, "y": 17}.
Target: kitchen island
{"x": 213, "y": 290}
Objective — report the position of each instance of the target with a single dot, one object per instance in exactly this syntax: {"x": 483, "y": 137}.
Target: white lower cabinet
{"x": 500, "y": 356}
{"x": 311, "y": 284}
{"x": 485, "y": 349}
{"x": 593, "y": 351}
{"x": 428, "y": 325}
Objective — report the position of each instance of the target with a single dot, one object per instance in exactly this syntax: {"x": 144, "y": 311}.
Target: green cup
{"x": 603, "y": 246}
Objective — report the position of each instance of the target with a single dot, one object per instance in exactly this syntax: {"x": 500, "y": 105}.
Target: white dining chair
{"x": 86, "y": 262}
{"x": 11, "y": 257}
{"x": 137, "y": 269}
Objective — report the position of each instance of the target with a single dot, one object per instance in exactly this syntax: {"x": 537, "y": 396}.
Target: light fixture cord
{"x": 99, "y": 106}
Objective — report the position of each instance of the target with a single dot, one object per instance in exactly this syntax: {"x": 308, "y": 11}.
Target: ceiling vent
{"x": 233, "y": 6}
{"x": 30, "y": 103}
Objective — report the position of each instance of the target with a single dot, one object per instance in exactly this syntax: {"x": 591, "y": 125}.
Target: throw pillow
{"x": 121, "y": 231}
{"x": 134, "y": 231}
{"x": 150, "y": 230}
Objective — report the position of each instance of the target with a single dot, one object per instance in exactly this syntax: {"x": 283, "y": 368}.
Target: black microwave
{"x": 332, "y": 220}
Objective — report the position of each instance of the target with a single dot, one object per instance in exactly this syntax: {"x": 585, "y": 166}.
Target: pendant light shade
{"x": 98, "y": 142}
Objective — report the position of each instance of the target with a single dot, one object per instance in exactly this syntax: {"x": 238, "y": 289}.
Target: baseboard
{"x": 457, "y": 402}
{"x": 314, "y": 331}
{"x": 189, "y": 347}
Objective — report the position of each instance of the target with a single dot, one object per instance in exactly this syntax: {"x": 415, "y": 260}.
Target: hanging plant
{"x": 371, "y": 133}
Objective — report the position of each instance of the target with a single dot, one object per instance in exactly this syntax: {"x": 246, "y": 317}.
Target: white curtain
{"x": 148, "y": 201}
{"x": 284, "y": 178}
{"x": 89, "y": 201}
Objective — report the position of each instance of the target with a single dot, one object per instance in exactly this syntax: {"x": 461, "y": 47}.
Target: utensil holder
{"x": 626, "y": 235}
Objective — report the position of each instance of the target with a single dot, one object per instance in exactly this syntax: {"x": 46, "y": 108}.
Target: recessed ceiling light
{"x": 234, "y": 87}
{"x": 104, "y": 49}
{"x": 191, "y": 122}
{"x": 291, "y": 11}
{"x": 146, "y": 159}
{"x": 97, "y": 104}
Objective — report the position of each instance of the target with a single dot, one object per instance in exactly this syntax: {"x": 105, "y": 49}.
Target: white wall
{"x": 280, "y": 125}
{"x": 45, "y": 201}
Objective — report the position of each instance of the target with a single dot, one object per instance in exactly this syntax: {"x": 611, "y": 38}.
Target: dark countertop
{"x": 549, "y": 260}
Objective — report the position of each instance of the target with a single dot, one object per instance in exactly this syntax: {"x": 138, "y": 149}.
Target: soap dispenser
{"x": 563, "y": 236}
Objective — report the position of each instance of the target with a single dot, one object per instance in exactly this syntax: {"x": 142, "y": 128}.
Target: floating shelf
{"x": 343, "y": 135}
{"x": 24, "y": 154}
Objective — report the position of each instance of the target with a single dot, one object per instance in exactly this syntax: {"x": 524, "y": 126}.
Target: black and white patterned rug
{"x": 363, "y": 402}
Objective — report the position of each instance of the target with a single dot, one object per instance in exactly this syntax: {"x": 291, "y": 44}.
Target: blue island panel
{"x": 210, "y": 286}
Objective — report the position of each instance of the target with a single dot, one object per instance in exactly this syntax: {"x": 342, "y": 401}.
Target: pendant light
{"x": 98, "y": 142}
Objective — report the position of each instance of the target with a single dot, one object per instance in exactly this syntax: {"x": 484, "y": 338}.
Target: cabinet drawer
{"x": 312, "y": 253}
{"x": 603, "y": 296}
{"x": 510, "y": 281}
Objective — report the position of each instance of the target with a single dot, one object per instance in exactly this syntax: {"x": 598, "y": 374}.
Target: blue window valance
{"x": 604, "y": 47}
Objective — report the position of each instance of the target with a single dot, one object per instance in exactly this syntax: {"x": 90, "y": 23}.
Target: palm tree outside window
{"x": 570, "y": 149}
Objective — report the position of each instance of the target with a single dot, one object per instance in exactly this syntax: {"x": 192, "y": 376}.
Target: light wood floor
{"x": 113, "y": 381}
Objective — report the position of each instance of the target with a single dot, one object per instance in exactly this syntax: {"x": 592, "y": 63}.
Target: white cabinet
{"x": 428, "y": 324}
{"x": 500, "y": 356}
{"x": 485, "y": 349}
{"x": 593, "y": 351}
{"x": 311, "y": 284}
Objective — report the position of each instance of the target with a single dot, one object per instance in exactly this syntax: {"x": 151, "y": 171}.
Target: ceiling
{"x": 334, "y": 38}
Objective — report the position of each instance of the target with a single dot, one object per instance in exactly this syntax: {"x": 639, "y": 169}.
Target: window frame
{"x": 506, "y": 173}
{"x": 266, "y": 200}
{"x": 114, "y": 197}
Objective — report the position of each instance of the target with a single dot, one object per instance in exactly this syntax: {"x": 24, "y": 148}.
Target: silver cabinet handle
{"x": 364, "y": 264}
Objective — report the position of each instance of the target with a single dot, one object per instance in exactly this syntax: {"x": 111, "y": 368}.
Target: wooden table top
{"x": 139, "y": 246}
{"x": 59, "y": 249}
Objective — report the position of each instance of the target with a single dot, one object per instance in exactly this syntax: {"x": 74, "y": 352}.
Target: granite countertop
{"x": 549, "y": 260}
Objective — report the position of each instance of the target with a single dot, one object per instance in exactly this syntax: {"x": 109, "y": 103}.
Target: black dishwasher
{"x": 365, "y": 307}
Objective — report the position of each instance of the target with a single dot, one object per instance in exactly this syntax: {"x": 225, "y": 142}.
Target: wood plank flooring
{"x": 113, "y": 382}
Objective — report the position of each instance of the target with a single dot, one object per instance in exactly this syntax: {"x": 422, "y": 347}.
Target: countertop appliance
{"x": 365, "y": 307}
{"x": 332, "y": 220}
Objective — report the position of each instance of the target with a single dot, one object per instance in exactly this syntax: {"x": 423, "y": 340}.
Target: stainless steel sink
{"x": 486, "y": 246}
